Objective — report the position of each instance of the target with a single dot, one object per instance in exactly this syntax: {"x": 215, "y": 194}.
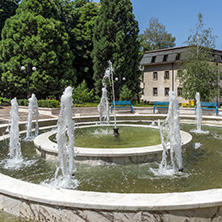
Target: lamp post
{"x": 30, "y": 69}
{"x": 120, "y": 80}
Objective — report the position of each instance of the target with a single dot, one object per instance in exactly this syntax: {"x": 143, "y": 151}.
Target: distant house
{"x": 160, "y": 69}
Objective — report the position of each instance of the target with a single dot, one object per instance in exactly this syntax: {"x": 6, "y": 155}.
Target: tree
{"x": 115, "y": 38}
{"x": 199, "y": 73}
{"x": 82, "y": 35}
{"x": 7, "y": 9}
{"x": 78, "y": 17}
{"x": 156, "y": 37}
{"x": 35, "y": 35}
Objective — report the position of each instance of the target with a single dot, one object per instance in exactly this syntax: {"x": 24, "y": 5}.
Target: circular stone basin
{"x": 137, "y": 152}
{"x": 102, "y": 136}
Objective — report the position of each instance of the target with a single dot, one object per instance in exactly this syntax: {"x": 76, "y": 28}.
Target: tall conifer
{"x": 116, "y": 39}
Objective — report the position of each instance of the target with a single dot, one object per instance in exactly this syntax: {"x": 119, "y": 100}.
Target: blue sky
{"x": 180, "y": 16}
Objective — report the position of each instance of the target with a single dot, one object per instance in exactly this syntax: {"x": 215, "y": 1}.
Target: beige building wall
{"x": 162, "y": 84}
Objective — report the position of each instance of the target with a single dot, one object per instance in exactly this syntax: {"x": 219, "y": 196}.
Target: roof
{"x": 171, "y": 55}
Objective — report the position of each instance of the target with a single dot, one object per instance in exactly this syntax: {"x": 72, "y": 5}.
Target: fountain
{"x": 103, "y": 107}
{"x": 199, "y": 115}
{"x": 109, "y": 74}
{"x": 33, "y": 111}
{"x": 14, "y": 143}
{"x": 170, "y": 132}
{"x": 43, "y": 203}
{"x": 198, "y": 112}
{"x": 65, "y": 134}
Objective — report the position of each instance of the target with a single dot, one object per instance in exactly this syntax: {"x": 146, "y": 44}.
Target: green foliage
{"x": 82, "y": 94}
{"x": 200, "y": 73}
{"x": 115, "y": 38}
{"x": 86, "y": 104}
{"x": 7, "y": 9}
{"x": 125, "y": 94}
{"x": 49, "y": 103}
{"x": 23, "y": 102}
{"x": 82, "y": 40}
{"x": 34, "y": 35}
{"x": 156, "y": 37}
{"x": 4, "y": 101}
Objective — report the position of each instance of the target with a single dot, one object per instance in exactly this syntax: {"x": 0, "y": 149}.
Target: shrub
{"x": 41, "y": 103}
{"x": 49, "y": 103}
{"x": 23, "y": 102}
{"x": 81, "y": 94}
{"x": 125, "y": 94}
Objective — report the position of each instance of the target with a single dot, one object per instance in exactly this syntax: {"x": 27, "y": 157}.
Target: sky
{"x": 180, "y": 16}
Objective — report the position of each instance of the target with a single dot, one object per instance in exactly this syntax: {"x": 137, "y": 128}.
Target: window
{"x": 178, "y": 56}
{"x": 166, "y": 75}
{"x": 179, "y": 91}
{"x": 153, "y": 59}
{"x": 165, "y": 58}
{"x": 155, "y": 76}
{"x": 167, "y": 91}
{"x": 155, "y": 92}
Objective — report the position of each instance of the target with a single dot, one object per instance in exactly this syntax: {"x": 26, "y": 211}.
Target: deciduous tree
{"x": 156, "y": 37}
{"x": 35, "y": 35}
{"x": 200, "y": 72}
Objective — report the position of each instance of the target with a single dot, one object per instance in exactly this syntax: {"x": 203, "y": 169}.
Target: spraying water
{"x": 198, "y": 111}
{"x": 14, "y": 144}
{"x": 103, "y": 107}
{"x": 199, "y": 116}
{"x": 65, "y": 136}
{"x": 15, "y": 160}
{"x": 109, "y": 74}
{"x": 170, "y": 134}
{"x": 33, "y": 111}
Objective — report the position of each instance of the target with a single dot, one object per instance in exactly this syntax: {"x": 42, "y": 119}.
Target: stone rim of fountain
{"x": 43, "y": 143}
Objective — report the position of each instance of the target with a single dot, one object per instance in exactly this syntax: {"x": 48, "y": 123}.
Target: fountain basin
{"x": 41, "y": 203}
{"x": 48, "y": 149}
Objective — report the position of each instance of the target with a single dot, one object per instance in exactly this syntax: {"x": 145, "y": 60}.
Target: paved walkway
{"x": 45, "y": 113}
{"x": 5, "y": 115}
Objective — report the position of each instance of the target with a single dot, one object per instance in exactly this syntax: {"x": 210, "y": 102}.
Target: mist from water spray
{"x": 33, "y": 111}
{"x": 170, "y": 136}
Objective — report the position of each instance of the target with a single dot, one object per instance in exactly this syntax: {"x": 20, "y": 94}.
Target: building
{"x": 160, "y": 69}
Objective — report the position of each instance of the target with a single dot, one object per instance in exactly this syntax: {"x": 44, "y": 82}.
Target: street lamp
{"x": 30, "y": 69}
{"x": 120, "y": 82}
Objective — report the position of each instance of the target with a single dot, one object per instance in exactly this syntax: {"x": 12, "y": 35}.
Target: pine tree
{"x": 82, "y": 37}
{"x": 35, "y": 35}
{"x": 116, "y": 39}
{"x": 7, "y": 9}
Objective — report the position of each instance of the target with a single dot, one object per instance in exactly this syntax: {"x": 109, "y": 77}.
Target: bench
{"x": 158, "y": 104}
{"x": 122, "y": 104}
{"x": 208, "y": 106}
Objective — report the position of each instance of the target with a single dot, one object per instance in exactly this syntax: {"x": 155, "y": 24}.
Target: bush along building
{"x": 160, "y": 73}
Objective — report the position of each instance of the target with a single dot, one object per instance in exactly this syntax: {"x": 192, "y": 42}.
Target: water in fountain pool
{"x": 202, "y": 169}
